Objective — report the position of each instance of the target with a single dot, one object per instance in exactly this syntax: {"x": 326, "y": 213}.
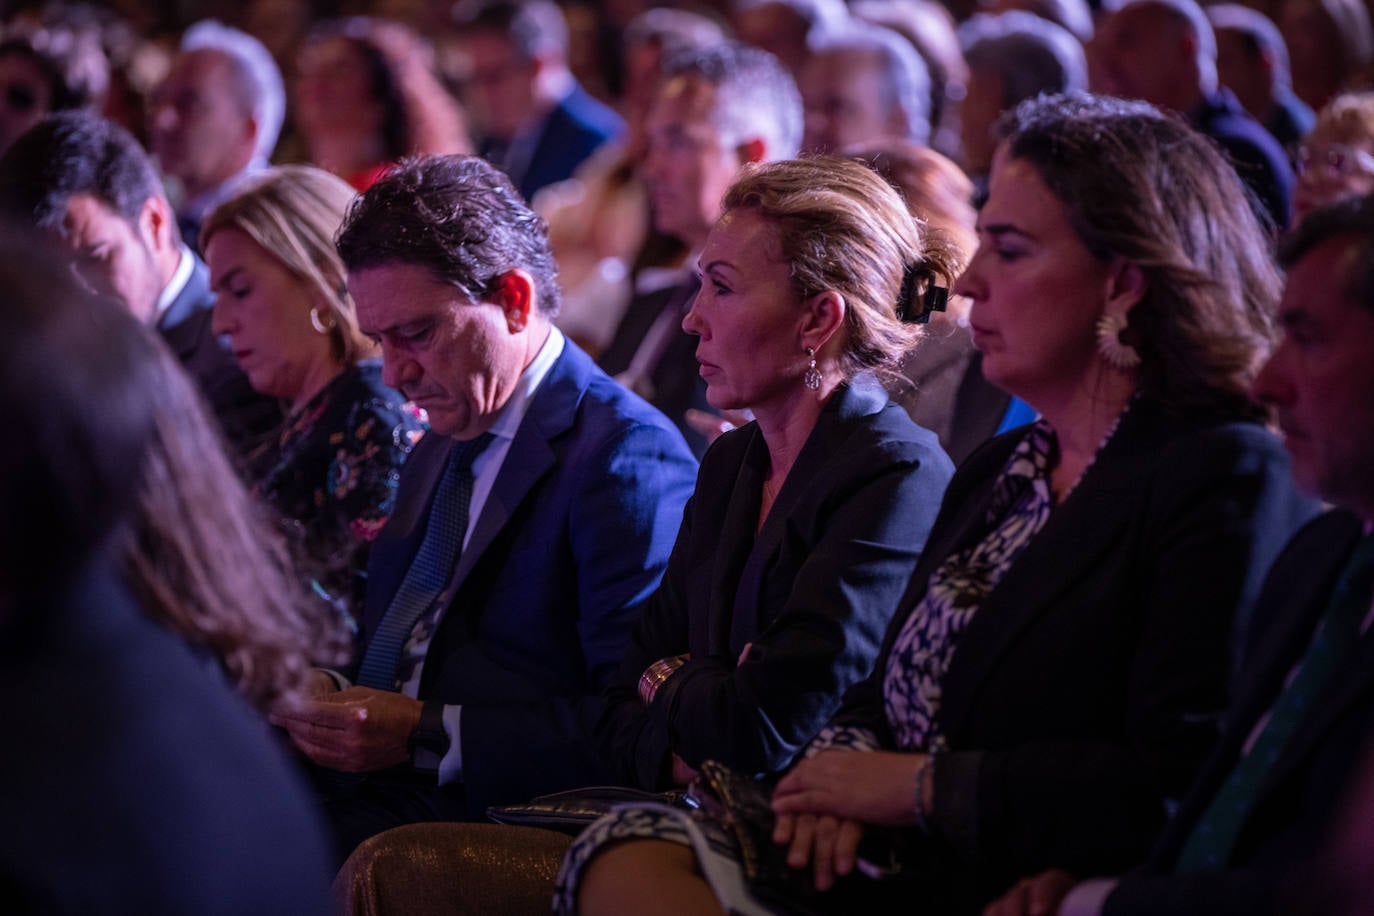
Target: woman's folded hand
{"x": 872, "y": 787}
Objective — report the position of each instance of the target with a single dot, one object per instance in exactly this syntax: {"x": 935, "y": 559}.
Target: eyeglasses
{"x": 1335, "y": 161}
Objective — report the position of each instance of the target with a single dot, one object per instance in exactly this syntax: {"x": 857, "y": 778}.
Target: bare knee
{"x": 644, "y": 876}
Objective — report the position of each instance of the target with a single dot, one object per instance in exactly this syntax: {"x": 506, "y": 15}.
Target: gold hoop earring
{"x": 1113, "y": 350}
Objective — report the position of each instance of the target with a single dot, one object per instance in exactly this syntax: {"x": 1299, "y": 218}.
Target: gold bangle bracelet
{"x": 657, "y": 674}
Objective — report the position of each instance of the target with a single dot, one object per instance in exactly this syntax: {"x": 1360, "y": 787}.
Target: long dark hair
{"x": 204, "y": 562}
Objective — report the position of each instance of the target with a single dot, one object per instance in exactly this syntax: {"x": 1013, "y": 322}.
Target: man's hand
{"x": 872, "y": 787}
{"x": 1038, "y": 896}
{"x": 357, "y": 730}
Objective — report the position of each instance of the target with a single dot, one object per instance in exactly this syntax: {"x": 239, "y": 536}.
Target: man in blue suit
{"x": 530, "y": 526}
{"x": 539, "y": 123}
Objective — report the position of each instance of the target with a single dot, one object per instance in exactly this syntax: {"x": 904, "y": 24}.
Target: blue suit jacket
{"x": 573, "y": 130}
{"x": 1258, "y": 158}
{"x": 246, "y": 417}
{"x": 570, "y": 544}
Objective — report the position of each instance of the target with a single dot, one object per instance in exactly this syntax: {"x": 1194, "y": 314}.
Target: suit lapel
{"x": 528, "y": 460}
{"x": 185, "y": 321}
{"x": 741, "y": 516}
{"x": 1351, "y": 682}
{"x": 550, "y": 414}
{"x": 822, "y": 445}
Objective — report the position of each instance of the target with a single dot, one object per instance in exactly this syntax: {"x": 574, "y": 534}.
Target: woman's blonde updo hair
{"x": 842, "y": 227}
{"x": 293, "y": 211}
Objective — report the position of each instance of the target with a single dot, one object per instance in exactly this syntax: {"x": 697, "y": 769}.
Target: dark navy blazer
{"x": 573, "y": 130}
{"x": 1302, "y": 795}
{"x": 570, "y": 544}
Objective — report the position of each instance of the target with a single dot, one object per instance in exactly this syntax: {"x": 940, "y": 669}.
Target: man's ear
{"x": 822, "y": 317}
{"x": 752, "y": 150}
{"x": 515, "y": 294}
{"x": 157, "y": 225}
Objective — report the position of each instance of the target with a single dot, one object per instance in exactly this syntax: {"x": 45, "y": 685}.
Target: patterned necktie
{"x": 1210, "y": 845}
{"x": 429, "y": 572}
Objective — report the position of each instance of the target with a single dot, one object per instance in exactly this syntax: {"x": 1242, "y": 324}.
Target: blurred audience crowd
{"x": 953, "y": 418}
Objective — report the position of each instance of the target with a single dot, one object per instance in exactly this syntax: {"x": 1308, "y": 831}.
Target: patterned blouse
{"x": 331, "y": 475}
{"x": 1021, "y": 505}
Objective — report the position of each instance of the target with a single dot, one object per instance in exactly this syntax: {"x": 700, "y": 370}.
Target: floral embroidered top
{"x": 332, "y": 472}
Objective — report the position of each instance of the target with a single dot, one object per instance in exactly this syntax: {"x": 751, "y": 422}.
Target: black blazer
{"x": 1289, "y": 821}
{"x": 1086, "y": 690}
{"x": 247, "y": 418}
{"x": 811, "y": 594}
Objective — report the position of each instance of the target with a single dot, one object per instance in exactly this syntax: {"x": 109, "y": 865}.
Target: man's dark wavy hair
{"x": 457, "y": 216}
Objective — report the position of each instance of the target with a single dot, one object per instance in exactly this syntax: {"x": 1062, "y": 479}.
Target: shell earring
{"x": 1110, "y": 347}
{"x": 812, "y": 377}
{"x": 316, "y": 323}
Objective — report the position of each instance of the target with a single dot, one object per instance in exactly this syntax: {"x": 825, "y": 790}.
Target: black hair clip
{"x": 935, "y": 298}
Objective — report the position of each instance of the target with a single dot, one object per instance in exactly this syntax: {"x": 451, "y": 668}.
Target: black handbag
{"x": 573, "y": 810}
{"x": 742, "y": 806}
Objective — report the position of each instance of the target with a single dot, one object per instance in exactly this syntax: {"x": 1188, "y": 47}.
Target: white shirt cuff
{"x": 340, "y": 682}
{"x": 451, "y": 767}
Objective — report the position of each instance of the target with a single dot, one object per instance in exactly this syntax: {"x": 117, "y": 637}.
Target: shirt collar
{"x": 514, "y": 411}
{"x": 180, "y": 277}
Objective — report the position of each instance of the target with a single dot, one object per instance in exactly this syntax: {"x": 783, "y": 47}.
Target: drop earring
{"x": 1114, "y": 352}
{"x": 812, "y": 377}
